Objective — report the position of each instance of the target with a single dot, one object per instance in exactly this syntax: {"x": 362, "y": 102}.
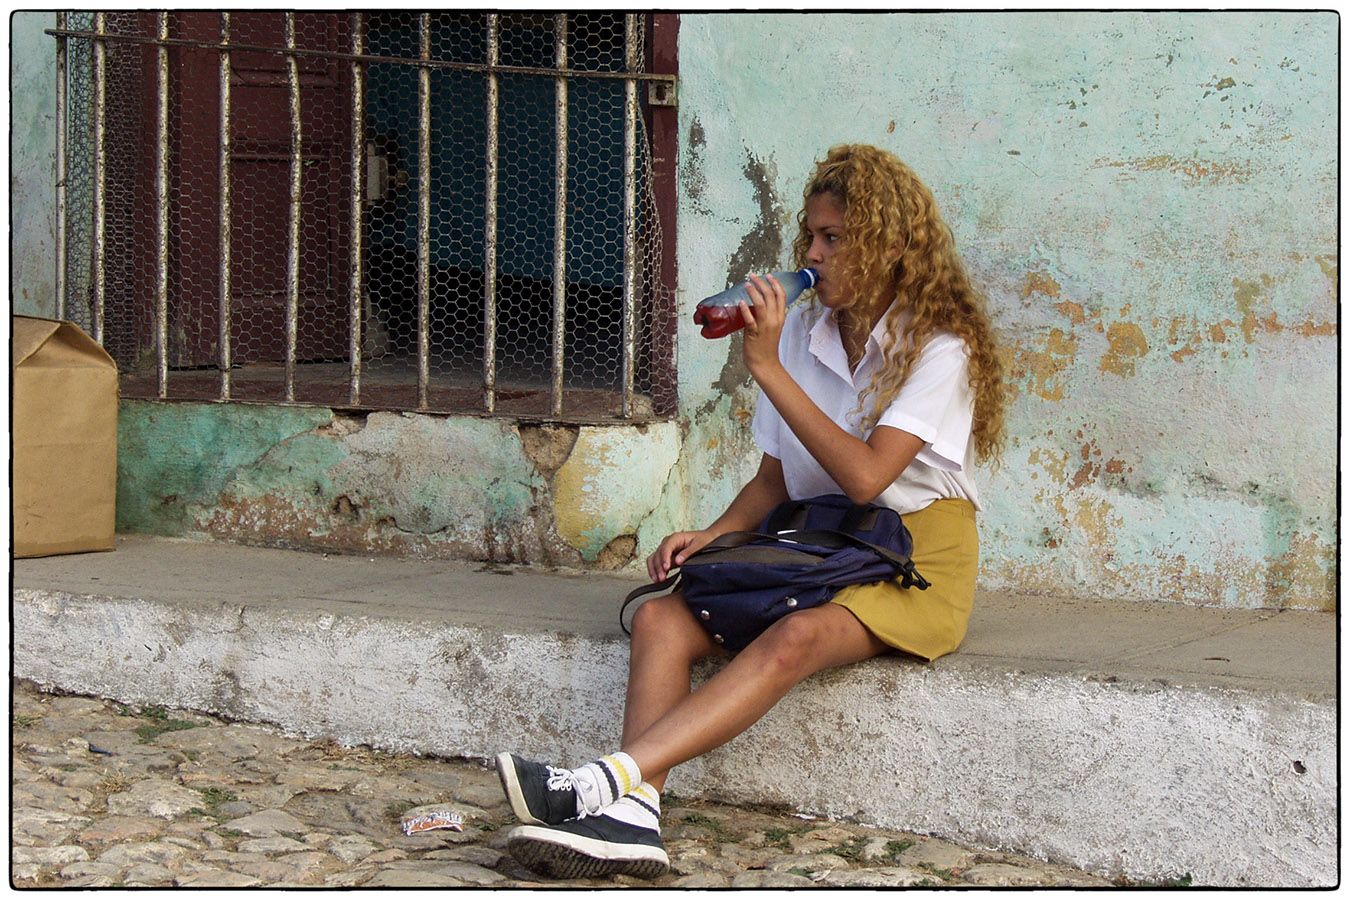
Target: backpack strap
{"x": 837, "y": 540}
{"x": 733, "y": 539}
{"x": 670, "y": 581}
{"x": 831, "y": 540}
{"x": 791, "y": 515}
{"x": 862, "y": 517}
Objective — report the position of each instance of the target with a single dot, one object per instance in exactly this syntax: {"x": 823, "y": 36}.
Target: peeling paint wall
{"x": 1149, "y": 200}
{"x": 391, "y": 483}
{"x": 32, "y": 161}
{"x": 613, "y": 478}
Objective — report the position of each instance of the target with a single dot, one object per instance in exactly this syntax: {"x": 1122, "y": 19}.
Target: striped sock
{"x": 604, "y": 781}
{"x": 640, "y": 806}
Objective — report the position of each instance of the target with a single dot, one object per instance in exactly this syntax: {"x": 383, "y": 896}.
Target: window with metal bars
{"x": 447, "y": 212}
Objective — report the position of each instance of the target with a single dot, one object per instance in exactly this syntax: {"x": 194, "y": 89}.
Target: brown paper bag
{"x": 64, "y": 439}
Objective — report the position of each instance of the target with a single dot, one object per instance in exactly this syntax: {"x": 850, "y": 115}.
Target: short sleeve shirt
{"x": 936, "y": 404}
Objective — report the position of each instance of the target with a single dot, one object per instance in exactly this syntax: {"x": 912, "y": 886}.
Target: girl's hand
{"x": 674, "y": 550}
{"x": 763, "y": 323}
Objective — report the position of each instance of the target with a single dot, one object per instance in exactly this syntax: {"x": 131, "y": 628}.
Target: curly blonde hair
{"x": 895, "y": 246}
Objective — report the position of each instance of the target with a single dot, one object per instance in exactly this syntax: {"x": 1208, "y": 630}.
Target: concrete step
{"x": 1141, "y": 740}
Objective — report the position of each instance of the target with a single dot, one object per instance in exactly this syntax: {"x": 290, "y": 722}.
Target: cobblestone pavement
{"x": 104, "y": 795}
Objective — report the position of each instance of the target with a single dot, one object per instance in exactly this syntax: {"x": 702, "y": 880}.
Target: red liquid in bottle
{"x": 718, "y": 321}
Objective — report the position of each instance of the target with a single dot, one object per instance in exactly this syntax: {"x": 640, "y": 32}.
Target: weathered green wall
{"x": 32, "y": 161}
{"x": 1148, "y": 199}
{"x": 427, "y": 486}
{"x": 1150, "y": 202}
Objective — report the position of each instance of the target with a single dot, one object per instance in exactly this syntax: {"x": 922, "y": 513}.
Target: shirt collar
{"x": 828, "y": 347}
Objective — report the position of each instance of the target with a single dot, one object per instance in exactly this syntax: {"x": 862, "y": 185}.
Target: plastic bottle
{"x": 720, "y": 314}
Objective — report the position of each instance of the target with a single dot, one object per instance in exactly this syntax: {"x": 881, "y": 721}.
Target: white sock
{"x": 640, "y": 806}
{"x": 604, "y": 781}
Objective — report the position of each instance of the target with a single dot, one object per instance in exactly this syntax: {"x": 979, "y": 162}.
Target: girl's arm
{"x": 862, "y": 469}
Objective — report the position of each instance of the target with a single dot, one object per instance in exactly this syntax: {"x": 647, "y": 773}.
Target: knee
{"x": 667, "y": 622}
{"x": 789, "y": 643}
{"x": 657, "y": 615}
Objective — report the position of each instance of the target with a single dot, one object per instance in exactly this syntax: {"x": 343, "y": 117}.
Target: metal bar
{"x": 162, "y": 209}
{"x": 630, "y": 115}
{"x": 60, "y": 284}
{"x": 660, "y": 53}
{"x": 293, "y": 244}
{"x": 355, "y": 269}
{"x": 423, "y": 213}
{"x": 369, "y": 58}
{"x": 559, "y": 212}
{"x": 490, "y": 226}
{"x": 226, "y": 213}
{"x": 99, "y": 240}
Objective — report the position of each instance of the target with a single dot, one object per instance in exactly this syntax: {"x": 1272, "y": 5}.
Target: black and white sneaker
{"x": 539, "y": 794}
{"x": 591, "y": 847}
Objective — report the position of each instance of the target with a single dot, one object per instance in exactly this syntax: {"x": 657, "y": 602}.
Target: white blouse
{"x": 935, "y": 404}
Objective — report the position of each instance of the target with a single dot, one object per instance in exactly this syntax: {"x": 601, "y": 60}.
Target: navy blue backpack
{"x": 805, "y": 551}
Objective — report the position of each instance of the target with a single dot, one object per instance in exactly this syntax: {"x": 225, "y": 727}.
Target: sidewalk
{"x": 1116, "y": 738}
{"x": 107, "y": 795}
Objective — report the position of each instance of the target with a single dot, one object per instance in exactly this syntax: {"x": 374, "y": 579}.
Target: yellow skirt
{"x": 927, "y": 623}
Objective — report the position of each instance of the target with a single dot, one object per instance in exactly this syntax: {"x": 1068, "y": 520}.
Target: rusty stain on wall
{"x": 1087, "y": 520}
{"x": 1251, "y": 298}
{"x": 1245, "y": 294}
{"x": 1043, "y": 369}
{"x": 1074, "y": 312}
{"x": 1126, "y": 345}
{"x": 1305, "y": 576}
{"x": 1051, "y": 461}
{"x": 1194, "y": 169}
{"x": 1096, "y": 520}
{"x": 1039, "y": 283}
{"x": 1093, "y": 466}
{"x": 1220, "y": 84}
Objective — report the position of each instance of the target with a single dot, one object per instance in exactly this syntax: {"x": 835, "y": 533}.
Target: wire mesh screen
{"x": 79, "y": 157}
{"x": 412, "y": 211}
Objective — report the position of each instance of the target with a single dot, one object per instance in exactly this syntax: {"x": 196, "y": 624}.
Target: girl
{"x": 888, "y": 391}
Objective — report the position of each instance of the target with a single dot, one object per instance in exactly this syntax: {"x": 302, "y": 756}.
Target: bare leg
{"x": 666, "y": 642}
{"x": 744, "y": 690}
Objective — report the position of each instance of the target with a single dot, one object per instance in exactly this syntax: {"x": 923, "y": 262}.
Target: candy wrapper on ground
{"x": 433, "y": 820}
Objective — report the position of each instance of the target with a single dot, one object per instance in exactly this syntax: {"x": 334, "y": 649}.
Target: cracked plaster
{"x": 1154, "y": 227}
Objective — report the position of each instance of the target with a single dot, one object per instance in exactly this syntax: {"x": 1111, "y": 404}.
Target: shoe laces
{"x": 566, "y": 780}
